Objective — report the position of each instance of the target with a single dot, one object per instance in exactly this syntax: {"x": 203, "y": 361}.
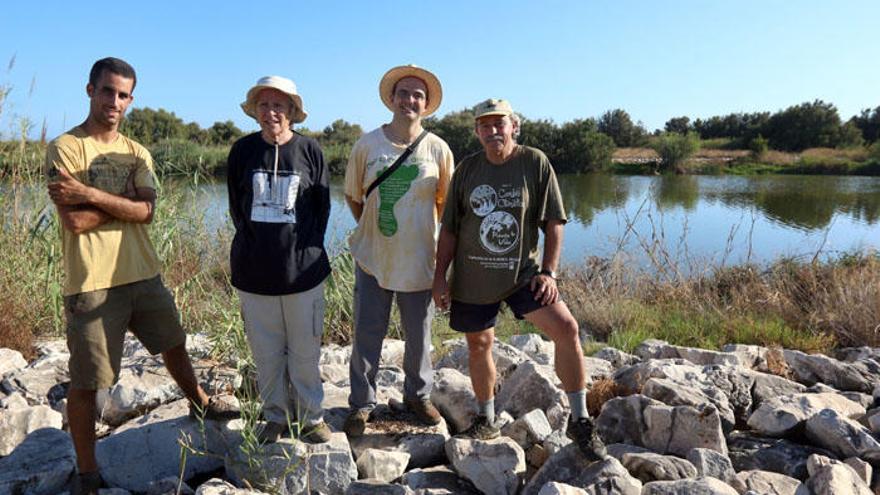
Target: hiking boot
{"x": 481, "y": 429}
{"x": 272, "y": 432}
{"x": 424, "y": 410}
{"x": 356, "y": 422}
{"x": 87, "y": 483}
{"x": 583, "y": 433}
{"x": 318, "y": 433}
{"x": 219, "y": 408}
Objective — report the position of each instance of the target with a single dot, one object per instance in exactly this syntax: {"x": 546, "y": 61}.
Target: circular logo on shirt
{"x": 483, "y": 200}
{"x": 499, "y": 232}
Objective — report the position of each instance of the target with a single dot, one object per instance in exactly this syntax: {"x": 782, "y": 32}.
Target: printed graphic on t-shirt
{"x": 112, "y": 175}
{"x": 499, "y": 230}
{"x": 274, "y": 196}
{"x": 390, "y": 191}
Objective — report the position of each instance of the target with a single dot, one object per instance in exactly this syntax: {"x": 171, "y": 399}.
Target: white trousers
{"x": 284, "y": 333}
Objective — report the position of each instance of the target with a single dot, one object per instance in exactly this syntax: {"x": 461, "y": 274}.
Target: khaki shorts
{"x": 96, "y": 325}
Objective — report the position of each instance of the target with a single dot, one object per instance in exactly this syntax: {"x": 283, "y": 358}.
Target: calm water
{"x": 693, "y": 221}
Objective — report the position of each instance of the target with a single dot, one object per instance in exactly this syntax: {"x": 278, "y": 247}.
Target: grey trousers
{"x": 372, "y": 309}
{"x": 284, "y": 333}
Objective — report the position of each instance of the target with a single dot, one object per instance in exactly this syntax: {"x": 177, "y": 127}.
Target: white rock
{"x": 401, "y": 432}
{"x": 293, "y": 467}
{"x": 147, "y": 449}
{"x": 454, "y": 397}
{"x": 542, "y": 351}
{"x": 766, "y": 482}
{"x": 530, "y": 386}
{"x": 41, "y": 465}
{"x": 554, "y": 488}
{"x": 392, "y": 352}
{"x": 494, "y": 466}
{"x": 437, "y": 480}
{"x": 780, "y": 415}
{"x": 337, "y": 374}
{"x": 833, "y": 477}
{"x": 648, "y": 466}
{"x": 216, "y": 486}
{"x": 712, "y": 463}
{"x": 677, "y": 430}
{"x": 13, "y": 401}
{"x": 531, "y": 428}
{"x": 844, "y": 436}
{"x": 17, "y": 424}
{"x": 862, "y": 468}
{"x": 382, "y": 465}
{"x": 569, "y": 466}
{"x": 10, "y": 360}
{"x": 141, "y": 388}
{"x": 699, "y": 486}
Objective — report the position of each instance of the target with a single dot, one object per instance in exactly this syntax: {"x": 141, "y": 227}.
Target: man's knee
{"x": 480, "y": 344}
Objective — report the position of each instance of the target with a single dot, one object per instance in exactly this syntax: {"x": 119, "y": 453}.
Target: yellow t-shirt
{"x": 117, "y": 252}
{"x": 396, "y": 238}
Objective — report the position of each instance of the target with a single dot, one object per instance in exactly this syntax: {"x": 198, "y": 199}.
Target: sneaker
{"x": 272, "y": 432}
{"x": 481, "y": 429}
{"x": 319, "y": 433}
{"x": 356, "y": 422}
{"x": 87, "y": 483}
{"x": 583, "y": 433}
{"x": 424, "y": 410}
{"x": 219, "y": 408}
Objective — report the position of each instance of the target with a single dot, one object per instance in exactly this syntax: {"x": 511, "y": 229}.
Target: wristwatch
{"x": 549, "y": 273}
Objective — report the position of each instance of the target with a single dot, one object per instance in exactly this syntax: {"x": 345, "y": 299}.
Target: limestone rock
{"x": 779, "y": 416}
{"x": 832, "y": 477}
{"x": 382, "y": 465}
{"x": 649, "y": 467}
{"x": 530, "y": 386}
{"x": 531, "y": 428}
{"x": 41, "y": 465}
{"x": 860, "y": 376}
{"x": 376, "y": 487}
{"x": 171, "y": 485}
{"x": 216, "y": 486}
{"x": 622, "y": 419}
{"x": 17, "y": 424}
{"x": 616, "y": 357}
{"x": 455, "y": 355}
{"x": 454, "y": 397}
{"x": 658, "y": 349}
{"x": 10, "y": 360}
{"x": 335, "y": 354}
{"x": 699, "y": 486}
{"x": 493, "y": 466}
{"x": 142, "y": 386}
{"x": 766, "y": 482}
{"x": 437, "y": 480}
{"x": 748, "y": 452}
{"x": 862, "y": 468}
{"x": 400, "y": 431}
{"x": 146, "y": 449}
{"x": 540, "y": 350}
{"x": 554, "y": 488}
{"x": 337, "y": 374}
{"x": 676, "y": 430}
{"x": 712, "y": 463}
{"x": 392, "y": 352}
{"x": 618, "y": 450}
{"x": 42, "y": 381}
{"x": 843, "y": 436}
{"x": 569, "y": 466}
{"x": 290, "y": 466}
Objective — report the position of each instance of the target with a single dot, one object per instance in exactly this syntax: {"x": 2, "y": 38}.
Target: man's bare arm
{"x": 82, "y": 218}
{"x": 136, "y": 207}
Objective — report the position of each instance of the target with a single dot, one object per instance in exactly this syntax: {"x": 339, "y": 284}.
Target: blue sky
{"x": 552, "y": 59}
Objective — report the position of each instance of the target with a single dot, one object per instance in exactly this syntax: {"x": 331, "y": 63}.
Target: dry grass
{"x": 601, "y": 391}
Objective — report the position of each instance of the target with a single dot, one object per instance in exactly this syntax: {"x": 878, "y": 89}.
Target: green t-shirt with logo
{"x": 495, "y": 212}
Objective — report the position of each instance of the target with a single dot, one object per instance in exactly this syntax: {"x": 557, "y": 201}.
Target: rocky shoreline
{"x": 677, "y": 420}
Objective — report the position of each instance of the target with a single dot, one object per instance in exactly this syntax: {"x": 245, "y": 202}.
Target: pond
{"x": 683, "y": 221}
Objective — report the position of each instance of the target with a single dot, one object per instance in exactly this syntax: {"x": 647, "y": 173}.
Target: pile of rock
{"x": 690, "y": 421}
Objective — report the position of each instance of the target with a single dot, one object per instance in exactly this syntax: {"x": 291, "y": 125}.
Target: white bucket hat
{"x": 282, "y": 84}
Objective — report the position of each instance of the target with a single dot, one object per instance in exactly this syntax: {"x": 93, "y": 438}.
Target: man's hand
{"x": 545, "y": 290}
{"x": 440, "y": 292}
{"x": 67, "y": 191}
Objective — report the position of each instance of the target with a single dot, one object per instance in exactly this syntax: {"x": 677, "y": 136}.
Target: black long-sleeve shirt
{"x": 280, "y": 215}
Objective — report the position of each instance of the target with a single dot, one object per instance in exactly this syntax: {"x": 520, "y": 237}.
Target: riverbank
{"x": 809, "y": 304}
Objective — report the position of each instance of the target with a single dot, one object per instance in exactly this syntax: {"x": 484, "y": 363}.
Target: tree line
{"x": 580, "y": 145}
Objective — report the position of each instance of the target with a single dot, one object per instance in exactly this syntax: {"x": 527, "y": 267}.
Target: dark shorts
{"x": 96, "y": 325}
{"x": 466, "y": 317}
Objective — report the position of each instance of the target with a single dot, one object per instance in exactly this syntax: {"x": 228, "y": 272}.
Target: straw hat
{"x": 435, "y": 91}
{"x": 282, "y": 84}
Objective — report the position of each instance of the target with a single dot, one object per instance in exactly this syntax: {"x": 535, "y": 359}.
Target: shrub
{"x": 674, "y": 149}
{"x": 758, "y": 146}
